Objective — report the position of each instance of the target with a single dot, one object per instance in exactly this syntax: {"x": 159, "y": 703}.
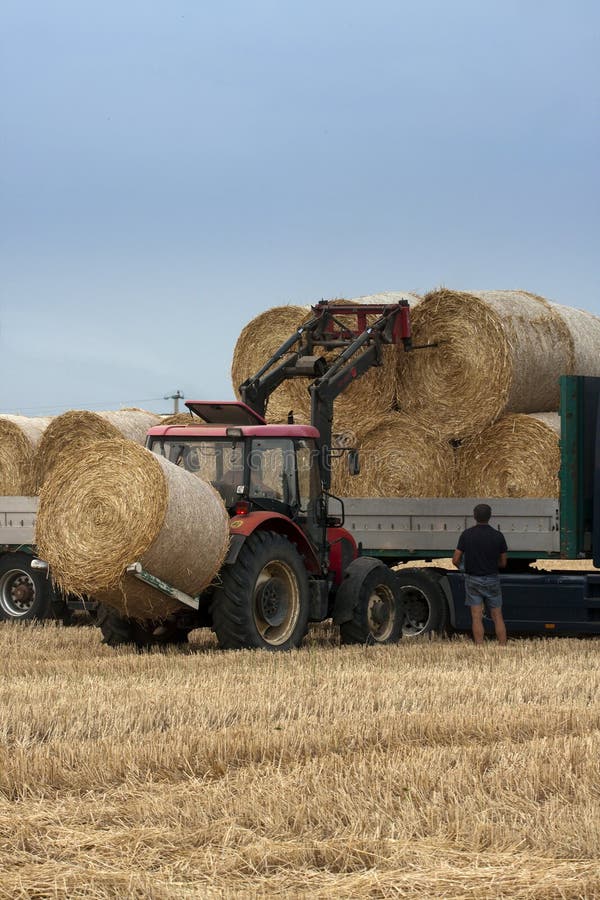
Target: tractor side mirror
{"x": 353, "y": 462}
{"x": 321, "y": 510}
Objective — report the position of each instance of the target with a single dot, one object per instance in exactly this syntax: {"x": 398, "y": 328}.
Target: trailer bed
{"x": 17, "y": 520}
{"x": 430, "y": 527}
{"x": 411, "y": 528}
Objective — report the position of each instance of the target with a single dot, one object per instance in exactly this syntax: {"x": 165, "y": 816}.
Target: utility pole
{"x": 176, "y": 397}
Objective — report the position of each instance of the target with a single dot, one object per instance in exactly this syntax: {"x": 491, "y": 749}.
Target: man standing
{"x": 484, "y": 550}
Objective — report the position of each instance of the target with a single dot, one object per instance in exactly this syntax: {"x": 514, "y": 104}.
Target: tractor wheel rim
{"x": 276, "y": 602}
{"x": 381, "y": 612}
{"x": 17, "y": 593}
{"x": 417, "y": 611}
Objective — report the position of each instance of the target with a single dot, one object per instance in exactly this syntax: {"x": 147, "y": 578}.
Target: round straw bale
{"x": 388, "y": 297}
{"x": 584, "y": 329}
{"x": 74, "y": 430}
{"x": 113, "y": 503}
{"x": 498, "y": 351}
{"x": 180, "y": 419}
{"x": 517, "y": 456}
{"x": 376, "y": 389}
{"x": 258, "y": 341}
{"x": 398, "y": 459}
{"x": 19, "y": 436}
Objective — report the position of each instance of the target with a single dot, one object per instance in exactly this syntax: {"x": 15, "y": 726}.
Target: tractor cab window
{"x": 221, "y": 462}
{"x": 309, "y": 482}
{"x": 273, "y": 471}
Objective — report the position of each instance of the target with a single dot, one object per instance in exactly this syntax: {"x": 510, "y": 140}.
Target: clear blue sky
{"x": 169, "y": 169}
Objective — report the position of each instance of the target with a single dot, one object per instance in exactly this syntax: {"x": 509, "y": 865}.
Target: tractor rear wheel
{"x": 376, "y": 601}
{"x": 263, "y": 600}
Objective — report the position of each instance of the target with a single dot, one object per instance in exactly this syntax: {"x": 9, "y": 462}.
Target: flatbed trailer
{"x": 400, "y": 531}
{"x": 563, "y": 528}
{"x": 395, "y": 531}
{"x": 26, "y": 590}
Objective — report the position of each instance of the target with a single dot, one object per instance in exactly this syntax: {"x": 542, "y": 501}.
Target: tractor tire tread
{"x": 230, "y": 609}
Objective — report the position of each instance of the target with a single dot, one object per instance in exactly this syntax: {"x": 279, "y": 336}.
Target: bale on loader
{"x": 377, "y": 389}
{"x": 74, "y": 430}
{"x": 497, "y": 352}
{"x": 19, "y": 437}
{"x": 113, "y": 503}
{"x": 517, "y": 456}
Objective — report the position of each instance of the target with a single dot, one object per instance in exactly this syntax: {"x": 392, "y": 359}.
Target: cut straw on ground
{"x": 451, "y": 772}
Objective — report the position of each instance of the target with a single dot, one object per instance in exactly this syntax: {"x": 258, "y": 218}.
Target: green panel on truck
{"x": 571, "y": 466}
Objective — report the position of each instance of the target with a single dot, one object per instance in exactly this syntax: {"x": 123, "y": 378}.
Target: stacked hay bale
{"x": 19, "y": 438}
{"x": 483, "y": 389}
{"x": 517, "y": 456}
{"x": 498, "y": 354}
{"x": 258, "y": 341}
{"x": 72, "y": 431}
{"x": 397, "y": 459}
{"x": 111, "y": 503}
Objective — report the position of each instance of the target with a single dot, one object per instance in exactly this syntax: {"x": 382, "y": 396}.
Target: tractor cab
{"x": 254, "y": 466}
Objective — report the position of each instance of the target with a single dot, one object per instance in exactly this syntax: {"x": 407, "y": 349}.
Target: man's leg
{"x": 498, "y": 620}
{"x": 477, "y": 623}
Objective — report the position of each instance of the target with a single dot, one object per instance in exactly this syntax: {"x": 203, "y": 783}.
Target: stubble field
{"x": 429, "y": 769}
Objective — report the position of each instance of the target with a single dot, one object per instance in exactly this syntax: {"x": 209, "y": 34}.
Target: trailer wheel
{"x": 263, "y": 600}
{"x": 424, "y": 602}
{"x": 25, "y": 593}
{"x": 377, "y": 612}
{"x": 118, "y": 631}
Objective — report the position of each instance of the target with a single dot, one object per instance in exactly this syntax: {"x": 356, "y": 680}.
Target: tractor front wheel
{"x": 118, "y": 630}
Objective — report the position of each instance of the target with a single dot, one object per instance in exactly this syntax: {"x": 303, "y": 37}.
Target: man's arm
{"x": 460, "y": 549}
{"x": 503, "y": 552}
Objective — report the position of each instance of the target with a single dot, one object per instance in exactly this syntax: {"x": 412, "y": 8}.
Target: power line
{"x": 84, "y": 405}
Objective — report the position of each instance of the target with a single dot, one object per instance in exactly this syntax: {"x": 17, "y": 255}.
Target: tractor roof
{"x": 196, "y": 429}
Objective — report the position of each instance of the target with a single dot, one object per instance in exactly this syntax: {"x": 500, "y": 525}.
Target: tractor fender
{"x": 348, "y": 591}
{"x": 241, "y": 527}
{"x": 342, "y": 551}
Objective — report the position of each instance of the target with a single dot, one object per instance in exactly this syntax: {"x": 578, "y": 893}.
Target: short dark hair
{"x": 482, "y": 513}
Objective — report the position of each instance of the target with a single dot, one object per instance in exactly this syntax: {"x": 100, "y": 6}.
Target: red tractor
{"x": 290, "y": 560}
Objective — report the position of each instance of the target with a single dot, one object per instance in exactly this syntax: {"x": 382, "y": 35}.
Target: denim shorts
{"x": 483, "y": 588}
